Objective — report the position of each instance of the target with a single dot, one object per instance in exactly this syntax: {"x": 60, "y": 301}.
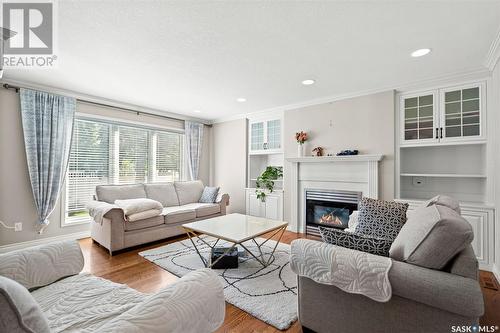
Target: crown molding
{"x": 96, "y": 99}
{"x": 454, "y": 78}
{"x": 494, "y": 53}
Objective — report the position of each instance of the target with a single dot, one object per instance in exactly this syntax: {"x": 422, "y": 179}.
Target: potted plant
{"x": 301, "y": 137}
{"x": 266, "y": 181}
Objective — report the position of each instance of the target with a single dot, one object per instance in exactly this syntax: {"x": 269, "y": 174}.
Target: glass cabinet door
{"x": 257, "y": 136}
{"x": 419, "y": 118}
{"x": 274, "y": 134}
{"x": 462, "y": 109}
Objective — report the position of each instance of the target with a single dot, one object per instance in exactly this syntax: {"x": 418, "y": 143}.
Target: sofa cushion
{"x": 110, "y": 193}
{"x": 144, "y": 223}
{"x": 143, "y": 215}
{"x": 431, "y": 237}
{"x": 139, "y": 205}
{"x": 444, "y": 200}
{"x": 189, "y": 192}
{"x": 164, "y": 193}
{"x": 19, "y": 310}
{"x": 378, "y": 246}
{"x": 380, "y": 219}
{"x": 204, "y": 209}
{"x": 178, "y": 214}
{"x": 209, "y": 194}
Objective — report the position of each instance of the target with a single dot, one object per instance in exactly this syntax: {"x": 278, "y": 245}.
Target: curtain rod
{"x": 11, "y": 87}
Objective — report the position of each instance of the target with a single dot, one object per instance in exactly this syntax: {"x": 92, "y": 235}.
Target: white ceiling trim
{"x": 480, "y": 73}
{"x": 101, "y": 100}
{"x": 494, "y": 53}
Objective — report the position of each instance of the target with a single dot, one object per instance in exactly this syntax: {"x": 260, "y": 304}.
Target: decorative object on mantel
{"x": 266, "y": 181}
{"x": 318, "y": 151}
{"x": 348, "y": 152}
{"x": 301, "y": 137}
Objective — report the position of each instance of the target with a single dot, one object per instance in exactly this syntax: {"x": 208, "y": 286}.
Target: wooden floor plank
{"x": 130, "y": 268}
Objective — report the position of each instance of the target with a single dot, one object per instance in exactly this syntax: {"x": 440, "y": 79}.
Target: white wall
{"x": 365, "y": 123}
{"x": 229, "y": 161}
{"x": 16, "y": 199}
{"x": 494, "y": 102}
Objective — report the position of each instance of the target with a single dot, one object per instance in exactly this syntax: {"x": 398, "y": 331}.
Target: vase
{"x": 300, "y": 150}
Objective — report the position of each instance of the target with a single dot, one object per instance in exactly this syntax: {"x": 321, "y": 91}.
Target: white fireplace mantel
{"x": 345, "y": 158}
{"x": 354, "y": 172}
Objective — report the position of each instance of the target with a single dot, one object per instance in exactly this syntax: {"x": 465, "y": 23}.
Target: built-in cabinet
{"x": 265, "y": 136}
{"x": 451, "y": 114}
{"x": 443, "y": 149}
{"x": 271, "y": 208}
{"x": 265, "y": 148}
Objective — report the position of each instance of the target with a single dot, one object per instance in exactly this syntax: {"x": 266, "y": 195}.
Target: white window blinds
{"x": 111, "y": 153}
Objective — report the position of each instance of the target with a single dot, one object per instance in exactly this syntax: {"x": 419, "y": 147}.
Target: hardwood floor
{"x": 138, "y": 273}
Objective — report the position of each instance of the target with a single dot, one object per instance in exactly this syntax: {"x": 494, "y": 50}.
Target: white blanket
{"x": 350, "y": 270}
{"x": 97, "y": 210}
{"x": 134, "y": 206}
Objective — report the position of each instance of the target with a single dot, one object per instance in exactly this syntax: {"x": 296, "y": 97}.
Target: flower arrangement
{"x": 301, "y": 137}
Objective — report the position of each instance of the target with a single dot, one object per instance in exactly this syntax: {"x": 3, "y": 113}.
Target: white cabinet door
{"x": 273, "y": 207}
{"x": 418, "y": 118}
{"x": 273, "y": 134}
{"x": 257, "y": 136}
{"x": 480, "y": 224}
{"x": 462, "y": 116}
{"x": 255, "y": 206}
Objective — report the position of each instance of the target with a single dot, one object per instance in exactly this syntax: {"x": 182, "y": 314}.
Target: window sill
{"x": 69, "y": 222}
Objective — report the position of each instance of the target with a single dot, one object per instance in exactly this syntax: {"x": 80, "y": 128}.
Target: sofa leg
{"x": 307, "y": 330}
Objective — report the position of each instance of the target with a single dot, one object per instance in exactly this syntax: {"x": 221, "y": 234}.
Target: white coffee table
{"x": 236, "y": 229}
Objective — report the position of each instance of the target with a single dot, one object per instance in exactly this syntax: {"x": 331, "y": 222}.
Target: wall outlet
{"x": 418, "y": 181}
{"x": 18, "y": 226}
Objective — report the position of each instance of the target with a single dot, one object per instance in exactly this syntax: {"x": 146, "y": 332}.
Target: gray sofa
{"x": 431, "y": 268}
{"x": 423, "y": 300}
{"x": 62, "y": 299}
{"x": 180, "y": 202}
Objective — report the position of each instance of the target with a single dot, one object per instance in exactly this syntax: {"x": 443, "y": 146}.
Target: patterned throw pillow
{"x": 378, "y": 246}
{"x": 209, "y": 194}
{"x": 381, "y": 219}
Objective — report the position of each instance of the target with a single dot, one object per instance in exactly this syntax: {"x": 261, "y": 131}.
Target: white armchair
{"x": 74, "y": 301}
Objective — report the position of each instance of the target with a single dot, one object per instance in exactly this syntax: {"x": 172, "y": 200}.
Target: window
{"x": 111, "y": 153}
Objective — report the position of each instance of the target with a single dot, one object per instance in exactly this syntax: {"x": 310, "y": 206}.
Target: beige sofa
{"x": 180, "y": 202}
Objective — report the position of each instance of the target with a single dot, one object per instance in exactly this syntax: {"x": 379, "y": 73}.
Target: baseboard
{"x": 41, "y": 241}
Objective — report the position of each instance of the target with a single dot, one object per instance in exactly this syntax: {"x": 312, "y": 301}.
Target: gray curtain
{"x": 194, "y": 143}
{"x": 48, "y": 128}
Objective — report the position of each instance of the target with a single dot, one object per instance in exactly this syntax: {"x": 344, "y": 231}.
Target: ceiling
{"x": 199, "y": 55}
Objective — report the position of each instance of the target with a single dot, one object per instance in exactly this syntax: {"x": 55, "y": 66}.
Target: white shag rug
{"x": 270, "y": 293}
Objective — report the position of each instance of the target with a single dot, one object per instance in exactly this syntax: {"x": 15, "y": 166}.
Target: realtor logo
{"x": 33, "y": 23}
{"x": 28, "y": 34}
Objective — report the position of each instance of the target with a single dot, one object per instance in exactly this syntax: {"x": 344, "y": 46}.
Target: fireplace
{"x": 329, "y": 208}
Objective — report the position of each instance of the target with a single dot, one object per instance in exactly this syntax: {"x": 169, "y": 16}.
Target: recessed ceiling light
{"x": 308, "y": 82}
{"x": 420, "y": 53}
{"x": 241, "y": 99}
{"x": 196, "y": 111}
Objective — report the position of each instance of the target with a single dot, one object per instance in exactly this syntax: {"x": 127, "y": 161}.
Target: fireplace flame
{"x": 330, "y": 218}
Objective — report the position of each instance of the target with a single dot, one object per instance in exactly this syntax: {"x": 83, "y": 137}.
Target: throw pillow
{"x": 381, "y": 219}
{"x": 209, "y": 194}
{"x": 20, "y": 312}
{"x": 431, "y": 237}
{"x": 444, "y": 200}
{"x": 378, "y": 246}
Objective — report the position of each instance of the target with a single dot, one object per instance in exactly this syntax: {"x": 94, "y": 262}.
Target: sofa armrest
{"x": 439, "y": 289}
{"x": 42, "y": 265}
{"x": 223, "y": 201}
{"x": 195, "y": 303}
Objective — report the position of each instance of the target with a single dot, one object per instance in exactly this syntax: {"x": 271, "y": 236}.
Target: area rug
{"x": 269, "y": 294}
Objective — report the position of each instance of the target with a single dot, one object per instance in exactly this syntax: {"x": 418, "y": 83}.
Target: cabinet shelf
{"x": 443, "y": 175}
